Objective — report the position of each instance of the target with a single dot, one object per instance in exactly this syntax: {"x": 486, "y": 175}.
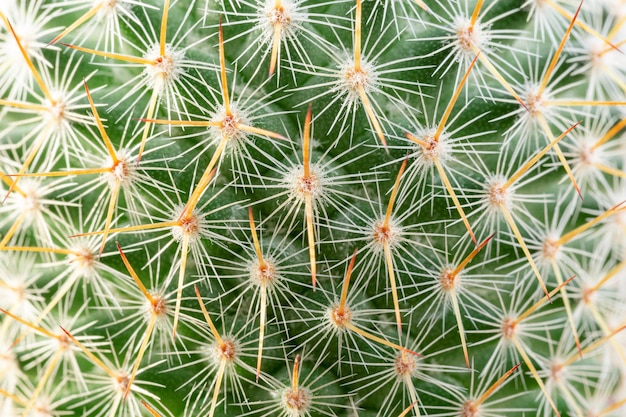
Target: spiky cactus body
{"x": 302, "y": 208}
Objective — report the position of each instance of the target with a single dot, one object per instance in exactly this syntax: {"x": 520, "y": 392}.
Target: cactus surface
{"x": 312, "y": 208}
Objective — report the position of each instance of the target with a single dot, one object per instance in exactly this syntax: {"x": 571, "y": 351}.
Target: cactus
{"x": 312, "y": 208}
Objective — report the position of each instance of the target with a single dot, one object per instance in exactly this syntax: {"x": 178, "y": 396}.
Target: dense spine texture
{"x": 312, "y": 208}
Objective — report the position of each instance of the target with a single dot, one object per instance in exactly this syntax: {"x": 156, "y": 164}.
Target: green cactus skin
{"x": 312, "y": 208}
